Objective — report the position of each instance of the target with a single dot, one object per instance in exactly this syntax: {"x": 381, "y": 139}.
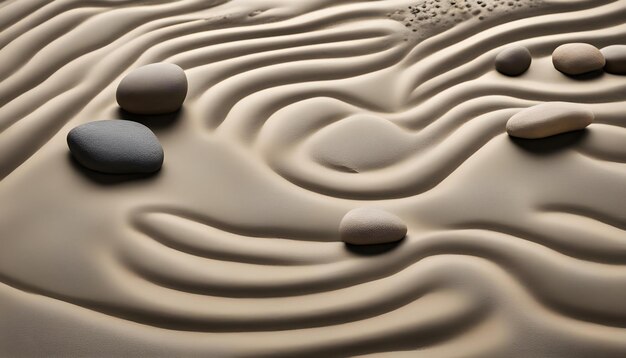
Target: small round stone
{"x": 615, "y": 59}
{"x": 116, "y": 147}
{"x": 369, "y": 226}
{"x": 157, "y": 88}
{"x": 577, "y": 58}
{"x": 548, "y": 119}
{"x": 513, "y": 61}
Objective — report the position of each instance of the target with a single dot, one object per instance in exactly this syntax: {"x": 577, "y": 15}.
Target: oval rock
{"x": 369, "y": 226}
{"x": 157, "y": 88}
{"x": 615, "y": 59}
{"x": 577, "y": 58}
{"x": 548, "y": 119}
{"x": 513, "y": 61}
{"x": 116, "y": 147}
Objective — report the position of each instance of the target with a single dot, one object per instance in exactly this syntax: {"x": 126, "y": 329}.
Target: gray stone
{"x": 615, "y": 59}
{"x": 513, "y": 61}
{"x": 548, "y": 119}
{"x": 157, "y": 88}
{"x": 116, "y": 147}
{"x": 577, "y": 58}
{"x": 368, "y": 226}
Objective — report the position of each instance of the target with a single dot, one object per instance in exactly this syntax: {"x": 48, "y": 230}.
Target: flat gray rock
{"x": 548, "y": 119}
{"x": 369, "y": 226}
{"x": 157, "y": 88}
{"x": 577, "y": 58}
{"x": 513, "y": 61}
{"x": 615, "y": 59}
{"x": 116, "y": 147}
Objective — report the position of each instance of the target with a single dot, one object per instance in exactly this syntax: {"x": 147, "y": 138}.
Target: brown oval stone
{"x": 368, "y": 226}
{"x": 513, "y": 61}
{"x": 615, "y": 59}
{"x": 577, "y": 58}
{"x": 157, "y": 88}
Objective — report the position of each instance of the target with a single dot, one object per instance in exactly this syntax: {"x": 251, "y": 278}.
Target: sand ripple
{"x": 296, "y": 113}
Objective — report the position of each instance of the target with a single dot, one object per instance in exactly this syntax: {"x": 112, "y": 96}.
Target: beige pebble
{"x": 577, "y": 58}
{"x": 548, "y": 119}
{"x": 368, "y": 226}
{"x": 615, "y": 59}
{"x": 157, "y": 88}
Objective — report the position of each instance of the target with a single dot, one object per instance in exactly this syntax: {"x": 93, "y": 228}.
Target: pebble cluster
{"x": 125, "y": 147}
{"x": 427, "y": 17}
{"x": 571, "y": 59}
{"x": 552, "y": 118}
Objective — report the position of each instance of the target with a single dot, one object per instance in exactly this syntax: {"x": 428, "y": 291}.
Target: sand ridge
{"x": 515, "y": 248}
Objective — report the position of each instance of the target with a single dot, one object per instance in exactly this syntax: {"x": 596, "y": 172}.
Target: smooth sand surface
{"x": 515, "y": 248}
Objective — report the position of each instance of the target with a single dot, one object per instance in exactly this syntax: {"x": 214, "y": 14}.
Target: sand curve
{"x": 516, "y": 248}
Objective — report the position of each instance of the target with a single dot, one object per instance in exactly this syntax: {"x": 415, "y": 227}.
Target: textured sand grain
{"x": 515, "y": 248}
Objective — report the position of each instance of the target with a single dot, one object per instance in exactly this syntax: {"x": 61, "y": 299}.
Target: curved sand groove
{"x": 46, "y": 20}
{"x": 23, "y": 79}
{"x": 316, "y": 178}
{"x": 307, "y": 69}
{"x": 270, "y": 32}
{"x": 612, "y": 240}
{"x": 12, "y": 115}
{"x": 14, "y": 11}
{"x": 418, "y": 174}
{"x": 72, "y": 97}
{"x": 203, "y": 240}
{"x": 516, "y": 248}
{"x": 528, "y": 92}
{"x": 603, "y": 143}
{"x": 551, "y": 289}
{"x": 532, "y": 32}
{"x": 430, "y": 329}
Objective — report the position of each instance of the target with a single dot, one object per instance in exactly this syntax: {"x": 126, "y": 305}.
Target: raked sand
{"x": 297, "y": 112}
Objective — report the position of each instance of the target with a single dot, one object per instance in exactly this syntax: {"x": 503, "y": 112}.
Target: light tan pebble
{"x": 615, "y": 59}
{"x": 370, "y": 226}
{"x": 548, "y": 119}
{"x": 577, "y": 58}
{"x": 157, "y": 88}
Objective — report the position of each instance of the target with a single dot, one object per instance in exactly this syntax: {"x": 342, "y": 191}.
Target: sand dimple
{"x": 360, "y": 143}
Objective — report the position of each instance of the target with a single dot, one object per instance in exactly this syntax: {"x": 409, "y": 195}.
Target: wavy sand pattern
{"x": 297, "y": 112}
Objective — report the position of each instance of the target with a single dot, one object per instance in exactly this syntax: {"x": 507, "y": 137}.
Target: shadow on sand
{"x": 155, "y": 122}
{"x": 372, "y": 250}
{"x": 108, "y": 179}
{"x": 553, "y": 144}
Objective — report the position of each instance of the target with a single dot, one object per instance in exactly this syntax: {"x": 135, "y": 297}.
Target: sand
{"x": 515, "y": 248}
